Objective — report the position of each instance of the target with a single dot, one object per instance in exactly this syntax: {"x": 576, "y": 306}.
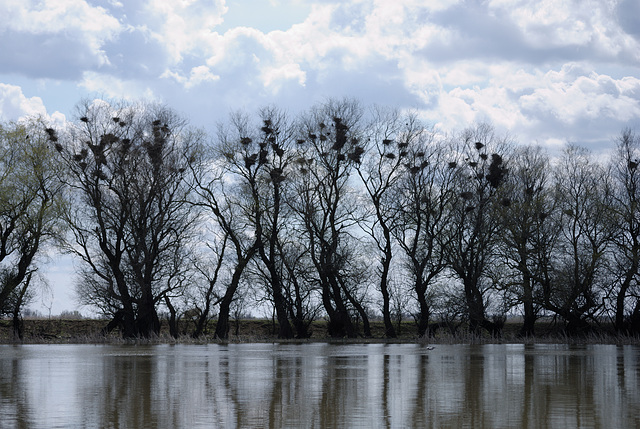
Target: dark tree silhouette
{"x": 626, "y": 240}
{"x": 527, "y": 229}
{"x": 422, "y": 206}
{"x": 473, "y": 223}
{"x": 580, "y": 260}
{"x": 327, "y": 209}
{"x": 127, "y": 168}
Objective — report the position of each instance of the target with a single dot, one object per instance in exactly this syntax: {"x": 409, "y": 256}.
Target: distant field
{"x": 260, "y": 330}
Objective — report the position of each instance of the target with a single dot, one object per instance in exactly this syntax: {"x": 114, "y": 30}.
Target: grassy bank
{"x": 61, "y": 331}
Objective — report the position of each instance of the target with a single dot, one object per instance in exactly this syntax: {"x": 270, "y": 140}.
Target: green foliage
{"x": 30, "y": 207}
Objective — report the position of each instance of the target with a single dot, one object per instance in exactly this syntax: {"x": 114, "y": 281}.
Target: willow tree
{"x": 127, "y": 175}
{"x": 480, "y": 172}
{"x": 625, "y": 214}
{"x": 30, "y": 207}
{"x": 581, "y": 263}
{"x": 528, "y": 230}
{"x": 242, "y": 189}
{"x": 380, "y": 169}
{"x": 327, "y": 208}
{"x": 423, "y": 201}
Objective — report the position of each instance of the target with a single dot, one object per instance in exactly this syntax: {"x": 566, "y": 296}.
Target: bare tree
{"x": 473, "y": 224}
{"x": 423, "y": 207}
{"x": 380, "y": 168}
{"x": 580, "y": 259}
{"x": 127, "y": 171}
{"x": 205, "y": 293}
{"x": 327, "y": 206}
{"x": 275, "y": 158}
{"x": 527, "y": 228}
{"x": 300, "y": 291}
{"x": 626, "y": 240}
{"x": 226, "y": 183}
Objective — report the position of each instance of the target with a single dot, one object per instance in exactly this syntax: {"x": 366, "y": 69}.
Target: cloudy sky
{"x": 546, "y": 71}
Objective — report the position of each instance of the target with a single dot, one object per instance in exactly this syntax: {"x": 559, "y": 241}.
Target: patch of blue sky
{"x": 264, "y": 15}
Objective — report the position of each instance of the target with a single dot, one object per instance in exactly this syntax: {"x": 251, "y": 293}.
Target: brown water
{"x": 319, "y": 386}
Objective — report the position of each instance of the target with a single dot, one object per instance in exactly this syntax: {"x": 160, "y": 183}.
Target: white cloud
{"x": 14, "y": 105}
{"x": 571, "y": 98}
{"x": 197, "y": 76}
{"x": 274, "y": 77}
{"x": 589, "y": 24}
{"x": 109, "y": 86}
{"x": 73, "y": 18}
{"x": 522, "y": 64}
{"x": 187, "y": 26}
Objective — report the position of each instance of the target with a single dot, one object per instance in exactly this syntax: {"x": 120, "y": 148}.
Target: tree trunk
{"x": 222, "y": 326}
{"x": 475, "y": 306}
{"x": 360, "y": 309}
{"x": 389, "y": 330}
{"x": 201, "y": 323}
{"x": 284, "y": 327}
{"x": 620, "y": 324}
{"x": 18, "y": 326}
{"x": 527, "y": 329}
{"x": 576, "y": 325}
{"x": 634, "y": 320}
{"x": 300, "y": 324}
{"x": 340, "y": 324}
{"x": 425, "y": 311}
{"x": 302, "y": 328}
{"x": 173, "y": 323}
{"x": 147, "y": 323}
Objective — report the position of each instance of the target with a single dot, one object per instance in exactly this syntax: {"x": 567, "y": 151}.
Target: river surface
{"x": 319, "y": 386}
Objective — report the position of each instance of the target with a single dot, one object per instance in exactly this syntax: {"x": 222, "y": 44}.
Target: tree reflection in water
{"x": 319, "y": 385}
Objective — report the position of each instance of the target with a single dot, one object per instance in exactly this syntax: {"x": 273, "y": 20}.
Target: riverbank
{"x": 74, "y": 331}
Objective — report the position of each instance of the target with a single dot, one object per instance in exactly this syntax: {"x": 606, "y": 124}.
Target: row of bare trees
{"x": 344, "y": 212}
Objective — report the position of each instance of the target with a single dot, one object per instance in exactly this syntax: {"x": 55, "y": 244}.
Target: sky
{"x": 547, "y": 72}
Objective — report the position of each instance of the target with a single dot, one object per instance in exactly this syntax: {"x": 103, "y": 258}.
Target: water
{"x": 319, "y": 386}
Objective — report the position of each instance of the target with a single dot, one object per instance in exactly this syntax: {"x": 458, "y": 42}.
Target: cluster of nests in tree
{"x": 53, "y": 138}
